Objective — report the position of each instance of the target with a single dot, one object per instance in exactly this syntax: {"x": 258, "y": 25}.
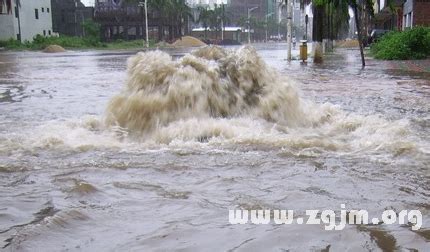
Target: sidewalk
{"x": 410, "y": 65}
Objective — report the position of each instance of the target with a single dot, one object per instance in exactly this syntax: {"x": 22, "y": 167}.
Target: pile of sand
{"x": 188, "y": 41}
{"x": 54, "y": 49}
{"x": 347, "y": 43}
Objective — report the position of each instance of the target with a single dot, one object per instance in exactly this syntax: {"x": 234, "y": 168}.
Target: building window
{"x": 16, "y": 11}
{"x": 43, "y": 9}
{"x": 36, "y": 13}
{"x": 47, "y": 10}
{"x": 49, "y": 32}
{"x": 44, "y": 33}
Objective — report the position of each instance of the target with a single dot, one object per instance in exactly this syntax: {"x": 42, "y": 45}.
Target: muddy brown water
{"x": 69, "y": 182}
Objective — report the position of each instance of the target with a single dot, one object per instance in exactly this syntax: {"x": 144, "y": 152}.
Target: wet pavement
{"x": 68, "y": 182}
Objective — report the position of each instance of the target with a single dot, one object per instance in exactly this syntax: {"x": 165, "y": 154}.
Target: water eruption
{"x": 211, "y": 82}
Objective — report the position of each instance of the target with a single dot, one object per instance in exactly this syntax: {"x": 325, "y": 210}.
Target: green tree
{"x": 205, "y": 18}
{"x": 91, "y": 31}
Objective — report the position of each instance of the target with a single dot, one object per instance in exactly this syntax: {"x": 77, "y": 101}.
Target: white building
{"x": 30, "y": 18}
{"x": 209, "y": 3}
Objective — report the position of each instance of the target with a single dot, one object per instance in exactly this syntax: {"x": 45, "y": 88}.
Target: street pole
{"x": 222, "y": 22}
{"x": 289, "y": 10}
{"x": 146, "y": 23}
{"x": 266, "y": 28}
{"x": 144, "y": 4}
{"x": 76, "y": 19}
{"x": 222, "y": 29}
{"x": 306, "y": 31}
{"x": 249, "y": 23}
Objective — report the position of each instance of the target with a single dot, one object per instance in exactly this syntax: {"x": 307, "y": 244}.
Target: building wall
{"x": 421, "y": 14}
{"x": 408, "y": 8}
{"x": 238, "y": 9}
{"x": 25, "y": 20}
{"x": 30, "y": 25}
{"x": 68, "y": 16}
{"x": 7, "y": 29}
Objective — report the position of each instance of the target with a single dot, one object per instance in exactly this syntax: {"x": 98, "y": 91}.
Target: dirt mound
{"x": 54, "y": 49}
{"x": 347, "y": 43}
{"x": 188, "y": 41}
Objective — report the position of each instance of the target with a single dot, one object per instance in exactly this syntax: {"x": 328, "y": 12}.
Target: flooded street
{"x": 83, "y": 167}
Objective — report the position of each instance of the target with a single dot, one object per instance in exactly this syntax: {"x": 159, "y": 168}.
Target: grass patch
{"x": 40, "y": 43}
{"x": 404, "y": 45}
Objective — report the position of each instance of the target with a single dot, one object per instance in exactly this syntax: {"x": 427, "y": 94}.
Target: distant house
{"x": 416, "y": 12}
{"x": 120, "y": 19}
{"x": 400, "y": 14}
{"x": 388, "y": 16}
{"x": 26, "y": 20}
{"x": 230, "y": 33}
{"x": 68, "y": 16}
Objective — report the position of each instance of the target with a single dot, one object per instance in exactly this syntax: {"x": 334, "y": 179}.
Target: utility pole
{"x": 222, "y": 29}
{"x": 249, "y": 23}
{"x": 306, "y": 31}
{"x": 145, "y": 5}
{"x": 76, "y": 18}
{"x": 222, "y": 22}
{"x": 289, "y": 19}
{"x": 146, "y": 23}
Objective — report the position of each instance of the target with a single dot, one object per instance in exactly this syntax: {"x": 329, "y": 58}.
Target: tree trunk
{"x": 160, "y": 32}
{"x": 318, "y": 20}
{"x": 360, "y": 40}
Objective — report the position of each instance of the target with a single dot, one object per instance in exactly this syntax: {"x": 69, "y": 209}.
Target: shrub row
{"x": 409, "y": 44}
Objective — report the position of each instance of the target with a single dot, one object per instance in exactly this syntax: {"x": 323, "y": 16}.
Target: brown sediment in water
{"x": 82, "y": 187}
{"x": 54, "y": 49}
{"x": 383, "y": 239}
{"x": 208, "y": 83}
{"x": 214, "y": 94}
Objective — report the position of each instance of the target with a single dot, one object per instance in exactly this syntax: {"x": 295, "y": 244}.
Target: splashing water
{"x": 189, "y": 138}
{"x": 223, "y": 98}
{"x": 209, "y": 83}
{"x": 217, "y": 95}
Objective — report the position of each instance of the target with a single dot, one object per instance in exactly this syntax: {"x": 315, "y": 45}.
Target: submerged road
{"x": 70, "y": 182}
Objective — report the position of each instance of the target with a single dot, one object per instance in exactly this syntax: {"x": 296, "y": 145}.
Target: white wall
{"x": 7, "y": 29}
{"x": 30, "y": 26}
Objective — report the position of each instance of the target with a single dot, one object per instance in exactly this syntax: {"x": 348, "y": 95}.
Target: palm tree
{"x": 179, "y": 10}
{"x": 205, "y": 17}
{"x": 161, "y": 7}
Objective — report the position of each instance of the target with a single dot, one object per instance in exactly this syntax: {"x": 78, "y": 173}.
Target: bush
{"x": 90, "y": 41}
{"x": 92, "y": 32}
{"x": 11, "y": 44}
{"x": 410, "y": 44}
